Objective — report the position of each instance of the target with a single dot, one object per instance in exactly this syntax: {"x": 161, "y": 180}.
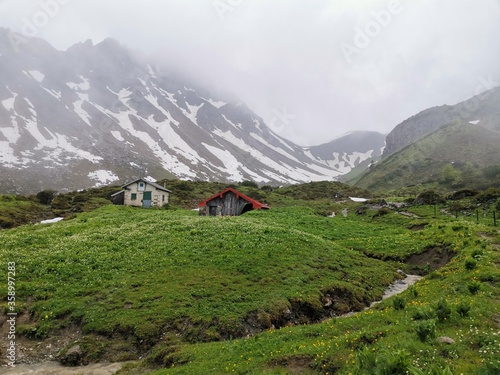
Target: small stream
{"x": 395, "y": 288}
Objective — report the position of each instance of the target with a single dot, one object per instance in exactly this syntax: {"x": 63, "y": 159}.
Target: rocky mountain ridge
{"x": 94, "y": 115}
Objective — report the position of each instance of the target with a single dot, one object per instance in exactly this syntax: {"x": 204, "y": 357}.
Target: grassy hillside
{"x": 484, "y": 108}
{"x": 204, "y": 295}
{"x": 456, "y": 156}
{"x": 195, "y": 275}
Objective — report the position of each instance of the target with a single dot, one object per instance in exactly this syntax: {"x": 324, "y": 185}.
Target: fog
{"x": 312, "y": 69}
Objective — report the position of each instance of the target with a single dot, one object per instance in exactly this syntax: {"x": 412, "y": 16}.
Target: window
{"x": 141, "y": 186}
{"x": 163, "y": 198}
{"x": 134, "y": 196}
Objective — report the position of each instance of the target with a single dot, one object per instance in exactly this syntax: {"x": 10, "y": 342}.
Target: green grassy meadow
{"x": 260, "y": 293}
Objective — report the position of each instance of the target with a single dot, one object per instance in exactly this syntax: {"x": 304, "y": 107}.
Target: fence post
{"x": 477, "y": 216}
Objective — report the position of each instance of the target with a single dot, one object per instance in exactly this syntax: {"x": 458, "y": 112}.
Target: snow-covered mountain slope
{"x": 350, "y": 150}
{"x": 94, "y": 115}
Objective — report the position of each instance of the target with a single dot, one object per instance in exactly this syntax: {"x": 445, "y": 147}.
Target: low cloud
{"x": 402, "y": 56}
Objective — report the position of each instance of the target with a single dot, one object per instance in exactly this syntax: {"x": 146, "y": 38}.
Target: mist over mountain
{"x": 94, "y": 115}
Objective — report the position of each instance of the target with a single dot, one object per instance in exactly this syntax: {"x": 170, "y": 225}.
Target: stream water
{"x": 395, "y": 288}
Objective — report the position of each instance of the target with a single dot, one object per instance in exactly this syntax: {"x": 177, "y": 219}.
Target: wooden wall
{"x": 229, "y": 205}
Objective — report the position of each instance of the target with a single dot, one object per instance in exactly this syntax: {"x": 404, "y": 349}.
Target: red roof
{"x": 256, "y": 205}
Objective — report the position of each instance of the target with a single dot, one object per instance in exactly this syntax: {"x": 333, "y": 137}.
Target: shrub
{"x": 429, "y": 197}
{"x": 461, "y": 194}
{"x": 489, "y": 195}
{"x": 387, "y": 362}
{"x": 478, "y": 253}
{"x": 474, "y": 287}
{"x": 424, "y": 313}
{"x": 470, "y": 264}
{"x": 60, "y": 203}
{"x": 463, "y": 309}
{"x": 45, "y": 196}
{"x": 490, "y": 367}
{"x": 443, "y": 310}
{"x": 399, "y": 303}
{"x": 426, "y": 330}
{"x": 249, "y": 184}
{"x": 365, "y": 359}
{"x": 413, "y": 291}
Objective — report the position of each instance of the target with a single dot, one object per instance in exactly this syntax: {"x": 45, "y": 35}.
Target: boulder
{"x": 445, "y": 340}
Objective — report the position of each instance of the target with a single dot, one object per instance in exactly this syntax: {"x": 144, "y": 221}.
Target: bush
{"x": 413, "y": 291}
{"x": 489, "y": 195}
{"x": 429, "y": 197}
{"x": 424, "y": 313}
{"x": 46, "y": 196}
{"x": 461, "y": 194}
{"x": 443, "y": 310}
{"x": 249, "y": 184}
{"x": 463, "y": 309}
{"x": 60, "y": 203}
{"x": 492, "y": 172}
{"x": 399, "y": 303}
{"x": 426, "y": 330}
{"x": 387, "y": 362}
{"x": 470, "y": 264}
{"x": 474, "y": 287}
{"x": 490, "y": 367}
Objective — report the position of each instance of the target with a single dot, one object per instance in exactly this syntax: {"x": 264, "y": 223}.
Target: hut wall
{"x": 229, "y": 205}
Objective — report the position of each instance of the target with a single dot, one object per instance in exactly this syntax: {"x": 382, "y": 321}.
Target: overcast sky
{"x": 313, "y": 69}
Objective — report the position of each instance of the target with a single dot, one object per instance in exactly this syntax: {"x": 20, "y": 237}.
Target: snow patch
{"x": 78, "y": 108}
{"x": 59, "y": 143}
{"x": 169, "y": 162}
{"x": 192, "y": 112}
{"x": 36, "y": 75}
{"x": 55, "y": 94}
{"x": 277, "y": 149}
{"x": 475, "y": 122}
{"x": 84, "y": 86}
{"x": 52, "y": 221}
{"x": 8, "y": 104}
{"x": 104, "y": 177}
{"x": 230, "y": 162}
{"x": 117, "y": 135}
{"x": 354, "y": 199}
{"x": 237, "y": 126}
{"x": 216, "y": 104}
